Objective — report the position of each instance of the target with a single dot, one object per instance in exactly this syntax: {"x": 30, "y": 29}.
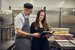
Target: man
{"x": 22, "y": 29}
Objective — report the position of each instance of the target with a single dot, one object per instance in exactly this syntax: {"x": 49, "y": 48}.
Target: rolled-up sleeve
{"x": 18, "y": 22}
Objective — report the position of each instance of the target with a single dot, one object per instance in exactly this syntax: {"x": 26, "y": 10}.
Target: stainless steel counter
{"x": 6, "y": 44}
{"x": 64, "y": 44}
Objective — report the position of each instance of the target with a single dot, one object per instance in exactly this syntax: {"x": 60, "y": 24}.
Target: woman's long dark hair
{"x": 36, "y": 24}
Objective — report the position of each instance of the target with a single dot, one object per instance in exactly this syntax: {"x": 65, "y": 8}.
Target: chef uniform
{"x": 22, "y": 43}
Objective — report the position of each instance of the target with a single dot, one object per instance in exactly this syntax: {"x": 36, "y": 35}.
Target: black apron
{"x": 23, "y": 43}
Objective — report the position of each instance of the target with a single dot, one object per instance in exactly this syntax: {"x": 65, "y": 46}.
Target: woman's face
{"x": 42, "y": 15}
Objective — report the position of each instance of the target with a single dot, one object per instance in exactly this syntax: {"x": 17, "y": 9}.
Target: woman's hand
{"x": 46, "y": 35}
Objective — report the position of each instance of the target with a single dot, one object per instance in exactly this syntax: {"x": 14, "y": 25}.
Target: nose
{"x": 29, "y": 12}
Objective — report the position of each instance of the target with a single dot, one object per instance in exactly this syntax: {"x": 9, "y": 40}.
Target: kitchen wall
{"x": 0, "y": 3}
{"x": 15, "y": 4}
{"x": 50, "y": 4}
{"x": 52, "y": 10}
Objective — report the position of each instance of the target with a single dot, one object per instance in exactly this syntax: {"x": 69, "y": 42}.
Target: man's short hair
{"x": 28, "y": 5}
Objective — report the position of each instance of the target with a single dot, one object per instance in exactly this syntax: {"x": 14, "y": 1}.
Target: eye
{"x": 41, "y": 15}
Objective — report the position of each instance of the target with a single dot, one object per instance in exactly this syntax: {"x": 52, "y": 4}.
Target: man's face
{"x": 27, "y": 11}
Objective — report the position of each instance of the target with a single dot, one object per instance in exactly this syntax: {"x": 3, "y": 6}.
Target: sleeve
{"x": 32, "y": 29}
{"x": 18, "y": 23}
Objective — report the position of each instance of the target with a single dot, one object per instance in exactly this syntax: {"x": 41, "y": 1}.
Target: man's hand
{"x": 36, "y": 35}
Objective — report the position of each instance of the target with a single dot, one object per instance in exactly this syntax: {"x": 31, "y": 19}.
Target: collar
{"x": 25, "y": 15}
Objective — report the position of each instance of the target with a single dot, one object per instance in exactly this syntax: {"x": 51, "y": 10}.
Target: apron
{"x": 23, "y": 43}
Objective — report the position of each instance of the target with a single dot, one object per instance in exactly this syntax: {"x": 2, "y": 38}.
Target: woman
{"x": 40, "y": 25}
